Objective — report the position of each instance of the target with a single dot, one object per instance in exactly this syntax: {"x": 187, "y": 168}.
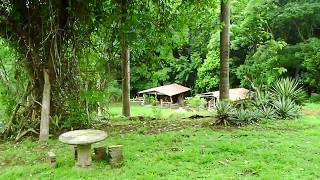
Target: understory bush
{"x": 157, "y": 113}
{"x": 196, "y": 102}
{"x": 151, "y": 100}
{"x": 314, "y": 99}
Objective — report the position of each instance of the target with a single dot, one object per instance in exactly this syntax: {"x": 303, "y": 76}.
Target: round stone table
{"x": 83, "y": 140}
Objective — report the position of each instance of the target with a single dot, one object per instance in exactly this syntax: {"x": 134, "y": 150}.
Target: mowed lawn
{"x": 270, "y": 150}
{"x": 115, "y": 111}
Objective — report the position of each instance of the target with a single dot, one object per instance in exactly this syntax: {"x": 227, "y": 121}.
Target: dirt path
{"x": 311, "y": 112}
{"x": 158, "y": 126}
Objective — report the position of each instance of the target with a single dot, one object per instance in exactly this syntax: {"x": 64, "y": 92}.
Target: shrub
{"x": 245, "y": 116}
{"x": 244, "y": 104}
{"x": 285, "y": 108}
{"x": 151, "y": 100}
{"x": 76, "y": 118}
{"x": 240, "y": 116}
{"x": 282, "y": 101}
{"x": 157, "y": 113}
{"x": 224, "y": 110}
{"x": 262, "y": 98}
{"x": 314, "y": 99}
{"x": 196, "y": 101}
{"x": 113, "y": 92}
{"x": 287, "y": 88}
{"x": 267, "y": 112}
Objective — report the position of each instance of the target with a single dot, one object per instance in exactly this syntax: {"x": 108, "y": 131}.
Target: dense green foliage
{"x": 196, "y": 102}
{"x": 169, "y": 41}
{"x": 281, "y": 39}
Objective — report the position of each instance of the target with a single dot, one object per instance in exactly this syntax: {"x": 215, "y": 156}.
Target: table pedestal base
{"x": 84, "y": 155}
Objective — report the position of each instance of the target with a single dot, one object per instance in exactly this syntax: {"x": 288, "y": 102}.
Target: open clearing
{"x": 192, "y": 150}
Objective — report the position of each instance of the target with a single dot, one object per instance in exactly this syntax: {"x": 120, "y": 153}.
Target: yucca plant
{"x": 224, "y": 110}
{"x": 239, "y": 116}
{"x": 286, "y": 108}
{"x": 255, "y": 115}
{"x": 262, "y": 98}
{"x": 245, "y": 116}
{"x": 267, "y": 112}
{"x": 289, "y": 89}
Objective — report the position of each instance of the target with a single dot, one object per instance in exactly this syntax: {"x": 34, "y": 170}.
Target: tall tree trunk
{"x": 224, "y": 49}
{"x": 125, "y": 61}
{"x": 45, "y": 109}
{"x": 125, "y": 81}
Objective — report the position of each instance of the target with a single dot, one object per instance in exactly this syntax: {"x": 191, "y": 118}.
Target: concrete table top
{"x": 78, "y": 137}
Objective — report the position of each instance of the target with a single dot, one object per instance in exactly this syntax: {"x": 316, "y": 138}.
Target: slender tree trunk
{"x": 99, "y": 109}
{"x": 87, "y": 101}
{"x": 125, "y": 55}
{"x": 125, "y": 81}
{"x": 224, "y": 49}
{"x": 45, "y": 109}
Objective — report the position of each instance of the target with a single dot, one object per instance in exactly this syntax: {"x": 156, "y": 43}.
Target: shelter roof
{"x": 169, "y": 90}
{"x": 234, "y": 94}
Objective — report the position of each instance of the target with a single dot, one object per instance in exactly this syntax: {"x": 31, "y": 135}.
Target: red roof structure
{"x": 168, "y": 90}
{"x": 234, "y": 94}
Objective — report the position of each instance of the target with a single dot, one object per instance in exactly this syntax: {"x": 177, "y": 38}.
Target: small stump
{"x": 100, "y": 153}
{"x": 52, "y": 159}
{"x": 115, "y": 156}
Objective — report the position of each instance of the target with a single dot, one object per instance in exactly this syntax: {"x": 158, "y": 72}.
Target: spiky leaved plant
{"x": 245, "y": 116}
{"x": 267, "y": 112}
{"x": 240, "y": 116}
{"x": 224, "y": 110}
{"x": 286, "y": 108}
{"x": 288, "y": 88}
{"x": 262, "y": 98}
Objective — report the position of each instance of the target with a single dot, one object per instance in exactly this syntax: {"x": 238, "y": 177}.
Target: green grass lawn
{"x": 271, "y": 150}
{"x": 115, "y": 111}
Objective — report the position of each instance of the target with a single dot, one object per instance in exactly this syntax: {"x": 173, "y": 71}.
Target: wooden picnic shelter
{"x": 167, "y": 94}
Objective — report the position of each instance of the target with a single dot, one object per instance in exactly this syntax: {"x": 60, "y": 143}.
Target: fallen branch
{"x": 20, "y": 135}
{"x": 13, "y": 115}
{"x": 196, "y": 116}
{"x": 9, "y": 124}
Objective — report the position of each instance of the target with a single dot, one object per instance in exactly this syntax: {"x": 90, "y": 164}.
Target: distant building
{"x": 172, "y": 93}
{"x": 234, "y": 95}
